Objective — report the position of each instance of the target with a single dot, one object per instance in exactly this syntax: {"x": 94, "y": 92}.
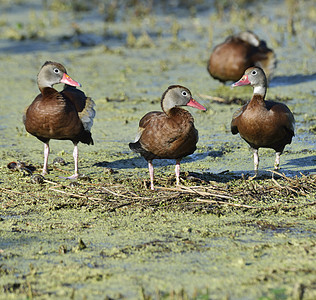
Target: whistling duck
{"x": 261, "y": 123}
{"x": 230, "y": 59}
{"x": 170, "y": 133}
{"x": 65, "y": 115}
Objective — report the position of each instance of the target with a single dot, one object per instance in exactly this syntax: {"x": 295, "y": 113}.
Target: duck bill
{"x": 243, "y": 81}
{"x": 195, "y": 104}
{"x": 68, "y": 80}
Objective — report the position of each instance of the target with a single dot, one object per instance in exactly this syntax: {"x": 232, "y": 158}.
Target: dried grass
{"x": 260, "y": 195}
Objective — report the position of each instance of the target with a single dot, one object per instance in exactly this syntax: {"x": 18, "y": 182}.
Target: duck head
{"x": 255, "y": 77}
{"x": 177, "y": 95}
{"x": 52, "y": 73}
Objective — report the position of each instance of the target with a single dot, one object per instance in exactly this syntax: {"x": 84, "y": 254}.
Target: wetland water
{"x": 55, "y": 246}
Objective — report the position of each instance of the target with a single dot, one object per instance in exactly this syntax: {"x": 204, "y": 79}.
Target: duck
{"x": 230, "y": 59}
{"x": 170, "y": 133}
{"x": 262, "y": 123}
{"x": 64, "y": 115}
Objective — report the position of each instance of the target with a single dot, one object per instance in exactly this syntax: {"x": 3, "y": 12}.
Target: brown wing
{"x": 146, "y": 119}
{"x": 236, "y": 115}
{"x": 77, "y": 97}
{"x": 166, "y": 137}
{"x": 285, "y": 116}
{"x": 83, "y": 104}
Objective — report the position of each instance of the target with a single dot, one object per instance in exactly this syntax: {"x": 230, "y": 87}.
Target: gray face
{"x": 179, "y": 96}
{"x": 50, "y": 74}
{"x": 256, "y": 76}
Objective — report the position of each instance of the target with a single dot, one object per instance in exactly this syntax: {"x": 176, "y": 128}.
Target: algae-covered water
{"x": 55, "y": 244}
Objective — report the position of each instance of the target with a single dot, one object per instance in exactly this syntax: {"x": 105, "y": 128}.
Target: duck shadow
{"x": 81, "y": 40}
{"x": 224, "y": 176}
{"x": 291, "y": 168}
{"x": 140, "y": 162}
{"x": 267, "y": 174}
{"x": 309, "y": 161}
{"x": 290, "y": 80}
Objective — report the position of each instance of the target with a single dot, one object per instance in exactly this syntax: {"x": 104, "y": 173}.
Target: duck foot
{"x": 252, "y": 177}
{"x": 72, "y": 177}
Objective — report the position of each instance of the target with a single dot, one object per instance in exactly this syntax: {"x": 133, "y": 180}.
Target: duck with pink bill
{"x": 169, "y": 134}
{"x": 262, "y": 123}
{"x": 65, "y": 115}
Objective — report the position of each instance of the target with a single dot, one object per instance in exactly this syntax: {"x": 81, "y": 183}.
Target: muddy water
{"x": 125, "y": 66}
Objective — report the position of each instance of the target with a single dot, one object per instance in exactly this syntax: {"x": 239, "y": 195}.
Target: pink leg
{"x": 46, "y": 154}
{"x": 177, "y": 171}
{"x": 256, "y": 161}
{"x": 277, "y": 161}
{"x": 151, "y": 174}
{"x": 75, "y": 155}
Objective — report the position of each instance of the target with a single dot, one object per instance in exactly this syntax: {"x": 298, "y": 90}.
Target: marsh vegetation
{"x": 106, "y": 235}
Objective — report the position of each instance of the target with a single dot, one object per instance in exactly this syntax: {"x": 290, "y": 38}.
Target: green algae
{"x": 153, "y": 251}
{"x": 58, "y": 245}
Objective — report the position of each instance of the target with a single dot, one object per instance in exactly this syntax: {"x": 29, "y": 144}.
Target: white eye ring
{"x": 254, "y": 72}
{"x": 56, "y": 70}
{"x": 184, "y": 93}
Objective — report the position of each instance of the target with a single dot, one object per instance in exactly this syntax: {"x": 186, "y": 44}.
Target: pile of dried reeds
{"x": 268, "y": 194}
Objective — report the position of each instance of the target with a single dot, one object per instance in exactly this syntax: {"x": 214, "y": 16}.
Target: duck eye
{"x": 254, "y": 72}
{"x": 184, "y": 93}
{"x": 56, "y": 70}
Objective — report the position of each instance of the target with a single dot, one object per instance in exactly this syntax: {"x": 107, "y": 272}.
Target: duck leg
{"x": 277, "y": 161}
{"x": 46, "y": 154}
{"x": 255, "y": 162}
{"x": 177, "y": 171}
{"x": 75, "y": 155}
{"x": 151, "y": 174}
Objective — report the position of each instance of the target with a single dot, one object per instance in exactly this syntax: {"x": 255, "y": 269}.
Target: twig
{"x": 51, "y": 182}
{"x": 226, "y": 203}
{"x": 121, "y": 195}
{"x": 276, "y": 183}
{"x": 176, "y": 189}
{"x": 213, "y": 98}
{"x": 282, "y": 175}
{"x": 206, "y": 193}
{"x": 287, "y": 187}
{"x": 75, "y": 195}
{"x": 10, "y": 191}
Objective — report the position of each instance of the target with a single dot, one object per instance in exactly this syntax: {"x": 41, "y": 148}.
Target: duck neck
{"x": 260, "y": 90}
{"x": 166, "y": 105}
{"x": 47, "y": 91}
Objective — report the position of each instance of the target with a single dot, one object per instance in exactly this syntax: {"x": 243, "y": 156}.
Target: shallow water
{"x": 125, "y": 66}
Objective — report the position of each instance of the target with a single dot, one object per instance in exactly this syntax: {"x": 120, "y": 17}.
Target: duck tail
{"x": 136, "y": 147}
{"x": 270, "y": 64}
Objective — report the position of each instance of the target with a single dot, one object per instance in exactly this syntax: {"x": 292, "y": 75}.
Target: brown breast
{"x": 52, "y": 116}
{"x": 172, "y": 136}
{"x": 264, "y": 124}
